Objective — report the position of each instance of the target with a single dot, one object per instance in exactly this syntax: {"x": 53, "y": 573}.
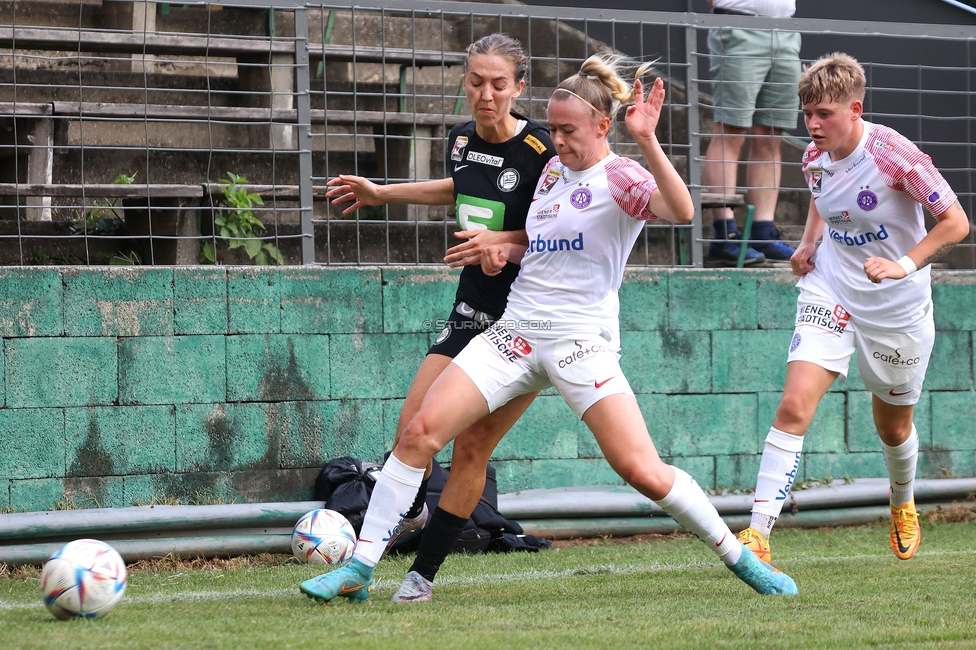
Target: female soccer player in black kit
{"x": 495, "y": 161}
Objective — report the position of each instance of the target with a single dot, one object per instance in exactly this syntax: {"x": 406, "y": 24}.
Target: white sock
{"x": 687, "y": 504}
{"x": 777, "y": 471}
{"x": 901, "y": 461}
{"x": 394, "y": 493}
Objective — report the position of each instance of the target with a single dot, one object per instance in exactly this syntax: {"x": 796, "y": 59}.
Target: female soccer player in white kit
{"x": 587, "y": 212}
{"x": 867, "y": 288}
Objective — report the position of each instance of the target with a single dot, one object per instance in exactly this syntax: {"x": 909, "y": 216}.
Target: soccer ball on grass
{"x": 86, "y": 578}
{"x": 323, "y": 537}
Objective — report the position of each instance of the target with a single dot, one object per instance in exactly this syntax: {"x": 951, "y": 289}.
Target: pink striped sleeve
{"x": 904, "y": 167}
{"x": 631, "y": 187}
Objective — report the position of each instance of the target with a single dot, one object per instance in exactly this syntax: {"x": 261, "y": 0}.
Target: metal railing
{"x": 288, "y": 94}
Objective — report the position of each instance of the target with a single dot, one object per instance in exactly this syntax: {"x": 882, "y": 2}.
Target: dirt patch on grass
{"x": 964, "y": 512}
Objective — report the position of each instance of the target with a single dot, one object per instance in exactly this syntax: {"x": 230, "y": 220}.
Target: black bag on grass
{"x": 345, "y": 484}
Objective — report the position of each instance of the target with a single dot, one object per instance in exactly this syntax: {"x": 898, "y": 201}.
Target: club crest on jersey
{"x": 457, "y": 153}
{"x": 816, "y": 180}
{"x": 508, "y": 179}
{"x": 443, "y": 336}
{"x": 795, "y": 343}
{"x": 867, "y": 200}
{"x": 581, "y": 197}
{"x": 485, "y": 159}
{"x": 549, "y": 181}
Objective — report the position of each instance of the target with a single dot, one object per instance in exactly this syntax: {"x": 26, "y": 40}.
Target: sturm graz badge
{"x": 446, "y": 332}
{"x": 508, "y": 180}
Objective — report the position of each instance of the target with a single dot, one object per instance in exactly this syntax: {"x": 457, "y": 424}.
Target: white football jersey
{"x": 872, "y": 204}
{"x": 581, "y": 228}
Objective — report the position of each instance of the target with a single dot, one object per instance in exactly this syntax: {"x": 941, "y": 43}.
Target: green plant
{"x": 39, "y": 257}
{"x": 239, "y": 225}
{"x": 130, "y": 259}
{"x": 103, "y": 217}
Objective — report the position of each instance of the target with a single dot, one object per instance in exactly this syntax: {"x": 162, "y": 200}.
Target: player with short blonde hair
{"x": 866, "y": 289}
{"x": 837, "y": 77}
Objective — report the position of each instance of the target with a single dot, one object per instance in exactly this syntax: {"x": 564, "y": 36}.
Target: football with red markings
{"x": 86, "y": 578}
{"x": 323, "y": 537}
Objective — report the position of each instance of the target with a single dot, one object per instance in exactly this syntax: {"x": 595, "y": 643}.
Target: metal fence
{"x": 120, "y": 120}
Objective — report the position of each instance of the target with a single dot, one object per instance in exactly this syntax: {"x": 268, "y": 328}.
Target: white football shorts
{"x": 504, "y": 364}
{"x": 892, "y": 364}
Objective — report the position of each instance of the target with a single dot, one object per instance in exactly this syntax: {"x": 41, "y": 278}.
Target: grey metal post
{"x": 694, "y": 144}
{"x": 304, "y": 126}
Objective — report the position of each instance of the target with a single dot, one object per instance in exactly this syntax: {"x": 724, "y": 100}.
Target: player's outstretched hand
{"x": 353, "y": 188}
{"x": 802, "y": 259}
{"x": 474, "y": 245}
{"x": 494, "y": 259}
{"x": 879, "y": 268}
{"x": 642, "y": 117}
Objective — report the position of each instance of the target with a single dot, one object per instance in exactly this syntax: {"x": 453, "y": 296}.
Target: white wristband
{"x": 907, "y": 264}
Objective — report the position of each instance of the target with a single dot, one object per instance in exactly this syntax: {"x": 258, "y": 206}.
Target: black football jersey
{"x": 493, "y": 187}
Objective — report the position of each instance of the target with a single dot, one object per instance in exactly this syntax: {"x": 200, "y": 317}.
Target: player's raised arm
{"x": 672, "y": 201}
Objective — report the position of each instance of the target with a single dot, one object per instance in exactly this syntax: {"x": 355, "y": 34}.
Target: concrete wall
{"x": 136, "y": 385}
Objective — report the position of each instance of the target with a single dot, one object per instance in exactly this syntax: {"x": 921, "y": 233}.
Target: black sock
{"x": 439, "y": 537}
{"x": 418, "y": 503}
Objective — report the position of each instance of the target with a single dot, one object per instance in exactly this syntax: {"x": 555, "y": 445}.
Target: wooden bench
{"x": 131, "y": 42}
{"x": 387, "y": 55}
{"x": 166, "y": 112}
{"x": 162, "y": 217}
{"x": 715, "y": 200}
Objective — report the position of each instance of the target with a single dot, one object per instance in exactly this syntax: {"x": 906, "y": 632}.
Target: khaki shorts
{"x": 754, "y": 77}
{"x": 892, "y": 364}
{"x": 504, "y": 364}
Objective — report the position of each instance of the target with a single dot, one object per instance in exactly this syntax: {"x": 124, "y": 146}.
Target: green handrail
{"x": 746, "y": 233}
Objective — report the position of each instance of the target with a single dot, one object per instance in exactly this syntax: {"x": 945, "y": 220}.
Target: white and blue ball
{"x": 323, "y": 537}
{"x": 86, "y": 578}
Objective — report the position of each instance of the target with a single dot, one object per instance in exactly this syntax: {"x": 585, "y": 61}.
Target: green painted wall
{"x": 134, "y": 385}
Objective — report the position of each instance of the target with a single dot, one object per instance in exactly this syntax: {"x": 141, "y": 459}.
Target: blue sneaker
{"x": 762, "y": 577}
{"x": 353, "y": 581}
{"x": 774, "y": 250}
{"x": 726, "y": 253}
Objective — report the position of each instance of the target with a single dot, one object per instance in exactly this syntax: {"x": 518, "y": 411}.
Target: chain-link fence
{"x": 185, "y": 133}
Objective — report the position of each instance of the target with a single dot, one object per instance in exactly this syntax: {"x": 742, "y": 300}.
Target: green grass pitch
{"x": 662, "y": 593}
